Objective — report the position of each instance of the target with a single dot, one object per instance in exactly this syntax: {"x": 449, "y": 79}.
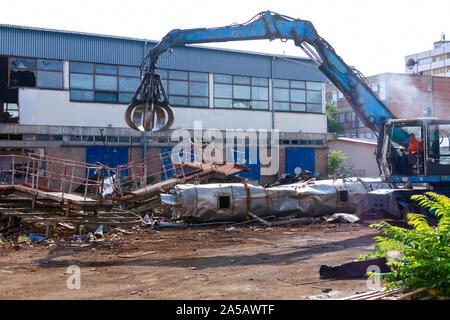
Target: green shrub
{"x": 335, "y": 160}
{"x": 424, "y": 259}
{"x": 336, "y": 168}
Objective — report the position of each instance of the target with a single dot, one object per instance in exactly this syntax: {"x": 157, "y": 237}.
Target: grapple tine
{"x": 160, "y": 118}
{"x": 129, "y": 116}
{"x": 170, "y": 117}
{"x": 148, "y": 119}
{"x": 153, "y": 115}
{"x": 137, "y": 117}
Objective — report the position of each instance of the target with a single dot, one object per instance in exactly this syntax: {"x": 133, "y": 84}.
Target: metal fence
{"x": 39, "y": 173}
{"x": 51, "y": 174}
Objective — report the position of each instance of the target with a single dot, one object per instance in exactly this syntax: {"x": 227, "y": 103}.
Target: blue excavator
{"x": 428, "y": 169}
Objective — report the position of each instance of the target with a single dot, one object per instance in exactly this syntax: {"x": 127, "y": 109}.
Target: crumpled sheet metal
{"x": 208, "y": 202}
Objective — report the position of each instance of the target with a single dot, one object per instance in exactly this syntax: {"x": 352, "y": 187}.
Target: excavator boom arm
{"x": 270, "y": 25}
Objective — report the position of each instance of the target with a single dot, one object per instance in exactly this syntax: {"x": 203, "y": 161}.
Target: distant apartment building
{"x": 434, "y": 62}
{"x": 406, "y": 95}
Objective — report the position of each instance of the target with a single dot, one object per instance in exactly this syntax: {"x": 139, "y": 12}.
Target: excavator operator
{"x": 413, "y": 147}
{"x": 411, "y": 154}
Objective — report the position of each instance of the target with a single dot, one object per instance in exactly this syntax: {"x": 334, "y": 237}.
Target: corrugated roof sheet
{"x": 77, "y": 46}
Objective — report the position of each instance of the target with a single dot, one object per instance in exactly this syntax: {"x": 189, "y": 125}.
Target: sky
{"x": 373, "y": 36}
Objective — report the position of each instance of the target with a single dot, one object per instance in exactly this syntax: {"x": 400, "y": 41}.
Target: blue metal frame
{"x": 419, "y": 179}
{"x": 270, "y": 25}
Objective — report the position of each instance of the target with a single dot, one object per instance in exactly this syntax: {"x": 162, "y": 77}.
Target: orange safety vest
{"x": 413, "y": 145}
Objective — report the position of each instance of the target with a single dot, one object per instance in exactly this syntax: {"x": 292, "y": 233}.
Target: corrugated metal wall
{"x": 69, "y": 46}
{"x": 28, "y": 42}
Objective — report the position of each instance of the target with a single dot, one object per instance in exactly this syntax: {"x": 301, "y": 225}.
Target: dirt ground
{"x": 250, "y": 262}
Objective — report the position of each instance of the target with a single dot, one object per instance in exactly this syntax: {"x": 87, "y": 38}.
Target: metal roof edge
{"x": 87, "y": 34}
{"x": 354, "y": 140}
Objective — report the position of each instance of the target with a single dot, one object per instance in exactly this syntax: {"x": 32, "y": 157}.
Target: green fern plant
{"x": 424, "y": 259}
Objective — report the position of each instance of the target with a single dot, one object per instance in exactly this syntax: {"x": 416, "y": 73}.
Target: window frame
{"x": 166, "y": 78}
{"x": 291, "y": 102}
{"x": 9, "y": 107}
{"x": 96, "y": 91}
{"x": 233, "y": 100}
{"x": 35, "y": 70}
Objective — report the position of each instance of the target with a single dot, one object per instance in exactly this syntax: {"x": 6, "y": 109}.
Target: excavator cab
{"x": 415, "y": 150}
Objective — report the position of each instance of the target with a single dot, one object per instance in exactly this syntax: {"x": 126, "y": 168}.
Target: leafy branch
{"x": 424, "y": 254}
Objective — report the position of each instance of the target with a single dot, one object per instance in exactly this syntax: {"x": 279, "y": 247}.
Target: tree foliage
{"x": 333, "y": 125}
{"x": 424, "y": 259}
{"x": 336, "y": 168}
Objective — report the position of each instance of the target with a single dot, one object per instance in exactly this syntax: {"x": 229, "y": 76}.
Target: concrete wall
{"x": 52, "y": 107}
{"x": 360, "y": 155}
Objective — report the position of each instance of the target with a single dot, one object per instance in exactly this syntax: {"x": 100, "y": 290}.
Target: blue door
{"x": 166, "y": 167}
{"x": 251, "y": 160}
{"x": 109, "y": 156}
{"x": 301, "y": 158}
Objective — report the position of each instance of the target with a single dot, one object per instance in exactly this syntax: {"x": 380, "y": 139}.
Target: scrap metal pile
{"x": 53, "y": 191}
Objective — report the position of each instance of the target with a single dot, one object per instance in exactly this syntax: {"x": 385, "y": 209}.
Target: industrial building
{"x": 406, "y": 95}
{"x": 64, "y": 94}
{"x": 434, "y": 62}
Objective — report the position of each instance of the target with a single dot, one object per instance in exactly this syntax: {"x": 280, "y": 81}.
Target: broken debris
{"x": 342, "y": 217}
{"x": 353, "y": 270}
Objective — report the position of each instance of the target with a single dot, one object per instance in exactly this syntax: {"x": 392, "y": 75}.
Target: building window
{"x": 186, "y": 88}
{"x": 424, "y": 61}
{"x": 354, "y": 120}
{"x": 103, "y": 82}
{"x": 9, "y": 112}
{"x": 291, "y": 95}
{"x": 35, "y": 73}
{"x": 348, "y": 117}
{"x": 439, "y": 71}
{"x": 241, "y": 92}
{"x": 74, "y": 138}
